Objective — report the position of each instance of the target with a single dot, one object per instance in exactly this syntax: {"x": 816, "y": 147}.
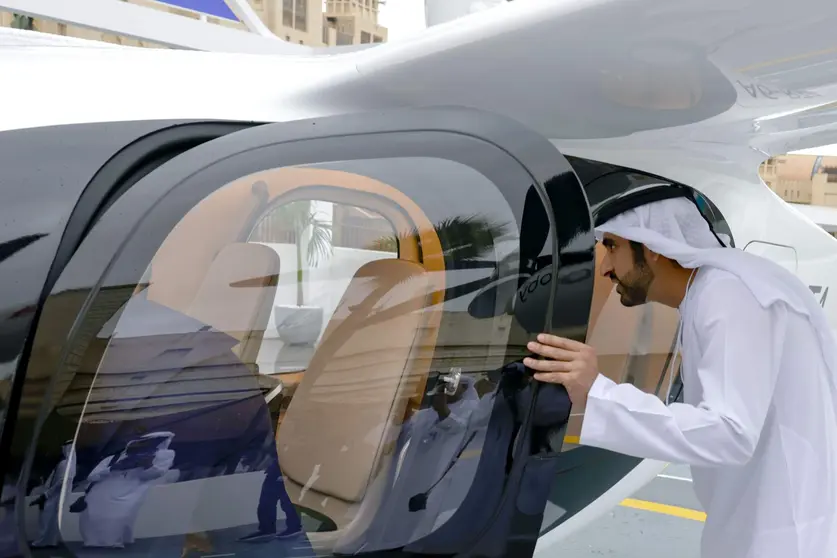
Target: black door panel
{"x": 54, "y": 181}
{"x": 47, "y": 205}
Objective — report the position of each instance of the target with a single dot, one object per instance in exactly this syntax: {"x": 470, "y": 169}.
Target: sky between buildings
{"x": 829, "y": 150}
{"x": 402, "y": 18}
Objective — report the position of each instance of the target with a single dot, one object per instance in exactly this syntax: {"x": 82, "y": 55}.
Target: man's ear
{"x": 650, "y": 255}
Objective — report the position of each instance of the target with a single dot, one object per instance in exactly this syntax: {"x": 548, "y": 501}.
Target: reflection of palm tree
{"x": 302, "y": 217}
{"x": 462, "y": 238}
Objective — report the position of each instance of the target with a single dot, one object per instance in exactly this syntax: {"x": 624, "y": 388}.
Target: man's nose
{"x": 606, "y": 267}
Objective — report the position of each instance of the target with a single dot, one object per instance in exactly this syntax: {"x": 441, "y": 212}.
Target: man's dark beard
{"x": 635, "y": 285}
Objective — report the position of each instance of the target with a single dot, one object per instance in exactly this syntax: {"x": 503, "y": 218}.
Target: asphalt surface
{"x": 663, "y": 519}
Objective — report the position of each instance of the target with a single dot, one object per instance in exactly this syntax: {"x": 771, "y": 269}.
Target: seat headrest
{"x": 233, "y": 289}
{"x": 380, "y": 282}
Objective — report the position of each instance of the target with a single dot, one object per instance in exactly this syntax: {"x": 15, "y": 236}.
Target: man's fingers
{"x": 551, "y": 352}
{"x": 552, "y": 378}
{"x": 547, "y": 365}
{"x": 560, "y": 342}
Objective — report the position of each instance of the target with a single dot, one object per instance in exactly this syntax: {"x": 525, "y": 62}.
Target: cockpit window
{"x": 294, "y": 365}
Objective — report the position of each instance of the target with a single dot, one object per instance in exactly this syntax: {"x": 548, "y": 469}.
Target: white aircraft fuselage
{"x": 695, "y": 91}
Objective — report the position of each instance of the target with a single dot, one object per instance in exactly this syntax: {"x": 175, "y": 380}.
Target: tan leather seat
{"x": 237, "y": 295}
{"x": 332, "y": 441}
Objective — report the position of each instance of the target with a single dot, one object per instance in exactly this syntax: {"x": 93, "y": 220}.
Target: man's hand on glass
{"x": 569, "y": 363}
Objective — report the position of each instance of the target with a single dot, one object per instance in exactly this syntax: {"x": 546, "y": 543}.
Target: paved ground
{"x": 663, "y": 519}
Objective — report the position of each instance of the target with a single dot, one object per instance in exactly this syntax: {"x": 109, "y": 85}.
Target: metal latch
{"x": 450, "y": 380}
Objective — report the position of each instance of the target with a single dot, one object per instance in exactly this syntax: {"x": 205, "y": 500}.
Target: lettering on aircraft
{"x": 759, "y": 90}
{"x": 543, "y": 280}
{"x": 821, "y": 292}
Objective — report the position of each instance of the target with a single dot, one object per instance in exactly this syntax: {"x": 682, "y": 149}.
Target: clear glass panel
{"x": 322, "y": 246}
{"x": 297, "y": 367}
{"x": 288, "y": 13}
{"x": 344, "y": 39}
{"x": 301, "y": 15}
{"x": 633, "y": 345}
{"x": 7, "y": 374}
{"x": 781, "y": 254}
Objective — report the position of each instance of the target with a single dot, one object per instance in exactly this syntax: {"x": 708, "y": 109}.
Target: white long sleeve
{"x": 739, "y": 345}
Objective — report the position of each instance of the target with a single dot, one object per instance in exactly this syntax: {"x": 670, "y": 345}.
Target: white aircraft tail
{"x": 442, "y": 11}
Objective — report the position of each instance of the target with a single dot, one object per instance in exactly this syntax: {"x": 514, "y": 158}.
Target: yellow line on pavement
{"x": 666, "y": 509}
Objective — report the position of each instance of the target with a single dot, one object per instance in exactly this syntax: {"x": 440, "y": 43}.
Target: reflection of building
{"x": 345, "y": 22}
{"x": 351, "y": 227}
{"x": 355, "y": 227}
{"x": 808, "y": 179}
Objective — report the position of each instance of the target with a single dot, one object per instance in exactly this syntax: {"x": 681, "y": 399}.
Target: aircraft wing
{"x": 754, "y": 73}
{"x": 17, "y": 38}
{"x": 725, "y": 79}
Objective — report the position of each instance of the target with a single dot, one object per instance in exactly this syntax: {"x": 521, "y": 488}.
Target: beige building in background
{"x": 805, "y": 179}
{"x": 304, "y": 22}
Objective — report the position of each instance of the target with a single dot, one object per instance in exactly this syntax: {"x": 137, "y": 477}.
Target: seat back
{"x": 237, "y": 294}
{"x": 355, "y": 391}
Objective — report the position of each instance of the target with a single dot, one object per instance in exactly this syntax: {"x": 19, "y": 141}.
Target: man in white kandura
{"x": 49, "y": 533}
{"x": 121, "y": 485}
{"x": 758, "y": 424}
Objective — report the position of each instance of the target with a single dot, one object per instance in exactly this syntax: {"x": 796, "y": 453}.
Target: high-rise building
{"x": 304, "y": 22}
{"x": 352, "y": 22}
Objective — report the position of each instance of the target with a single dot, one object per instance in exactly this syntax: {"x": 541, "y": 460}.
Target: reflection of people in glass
{"x": 119, "y": 488}
{"x": 273, "y": 489}
{"x": 49, "y": 535}
{"x": 477, "y": 479}
{"x": 428, "y": 444}
{"x": 8, "y": 530}
{"x": 459, "y": 478}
